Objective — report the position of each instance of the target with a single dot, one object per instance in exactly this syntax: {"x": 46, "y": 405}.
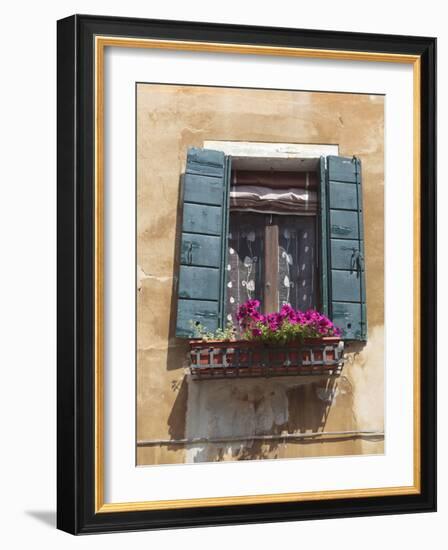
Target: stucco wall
{"x": 171, "y": 406}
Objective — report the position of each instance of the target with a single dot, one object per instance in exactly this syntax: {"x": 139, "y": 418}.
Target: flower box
{"x": 246, "y": 358}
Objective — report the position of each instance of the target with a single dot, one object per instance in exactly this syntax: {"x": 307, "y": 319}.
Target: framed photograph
{"x": 246, "y": 274}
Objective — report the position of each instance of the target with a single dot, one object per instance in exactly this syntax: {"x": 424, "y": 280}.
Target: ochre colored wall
{"x": 169, "y": 406}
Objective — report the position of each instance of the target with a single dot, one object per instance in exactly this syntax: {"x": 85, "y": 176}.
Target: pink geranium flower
{"x": 285, "y": 325}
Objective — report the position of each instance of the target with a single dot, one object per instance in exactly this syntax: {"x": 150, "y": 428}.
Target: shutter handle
{"x": 360, "y": 261}
{"x": 356, "y": 262}
{"x": 190, "y": 254}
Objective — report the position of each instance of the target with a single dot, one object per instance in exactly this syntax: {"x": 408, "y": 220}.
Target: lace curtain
{"x": 245, "y": 259}
{"x": 298, "y": 277}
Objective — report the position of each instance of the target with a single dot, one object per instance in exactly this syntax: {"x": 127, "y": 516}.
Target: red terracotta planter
{"x": 241, "y": 358}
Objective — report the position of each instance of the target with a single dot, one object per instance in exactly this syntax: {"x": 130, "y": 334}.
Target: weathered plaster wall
{"x": 169, "y": 406}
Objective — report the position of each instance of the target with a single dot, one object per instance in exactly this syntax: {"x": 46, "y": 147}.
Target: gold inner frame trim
{"x": 101, "y": 42}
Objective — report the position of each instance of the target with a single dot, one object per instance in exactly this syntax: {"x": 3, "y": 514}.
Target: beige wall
{"x": 171, "y": 406}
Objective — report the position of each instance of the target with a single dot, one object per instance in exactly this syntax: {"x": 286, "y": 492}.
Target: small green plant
{"x": 223, "y": 334}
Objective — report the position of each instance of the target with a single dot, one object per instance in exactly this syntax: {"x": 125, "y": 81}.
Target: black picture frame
{"x": 76, "y": 512}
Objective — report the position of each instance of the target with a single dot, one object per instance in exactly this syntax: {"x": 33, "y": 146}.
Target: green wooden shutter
{"x": 201, "y": 285}
{"x": 342, "y": 246}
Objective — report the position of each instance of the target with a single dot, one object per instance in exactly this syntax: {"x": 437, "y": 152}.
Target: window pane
{"x": 244, "y": 259}
{"x": 298, "y": 281}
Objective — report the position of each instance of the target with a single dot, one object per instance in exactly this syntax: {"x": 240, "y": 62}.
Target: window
{"x": 271, "y": 251}
{"x": 276, "y": 231}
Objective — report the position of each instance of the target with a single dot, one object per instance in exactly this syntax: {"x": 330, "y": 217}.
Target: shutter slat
{"x": 203, "y": 242}
{"x": 342, "y": 252}
{"x": 203, "y": 189}
{"x": 343, "y": 196}
{"x": 202, "y": 218}
{"x": 348, "y": 317}
{"x": 342, "y": 169}
{"x": 205, "y": 162}
{"x": 344, "y": 246}
{"x": 206, "y": 313}
{"x": 344, "y": 224}
{"x": 346, "y": 286}
{"x": 200, "y": 250}
{"x": 198, "y": 283}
